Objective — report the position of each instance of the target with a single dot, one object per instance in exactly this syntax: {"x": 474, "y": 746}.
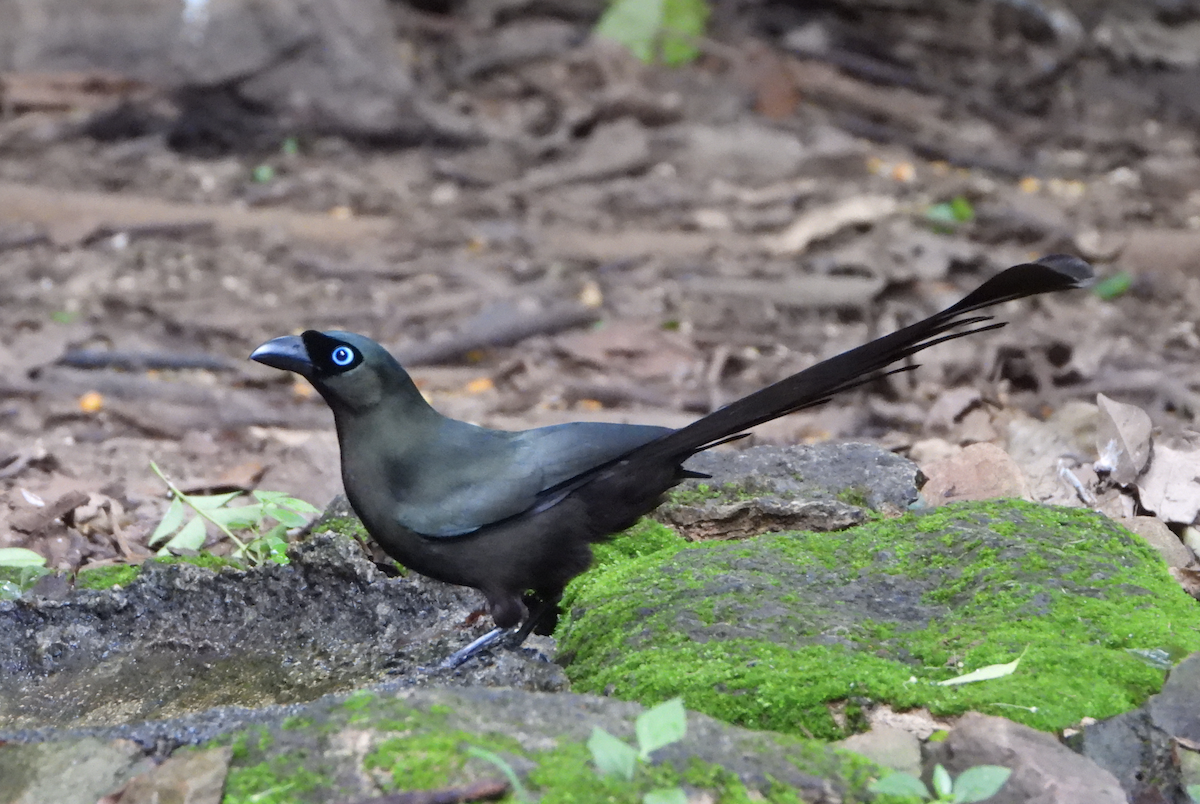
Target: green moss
{"x": 124, "y": 574}
{"x": 1074, "y": 587}
{"x": 645, "y": 538}
{"x": 296, "y": 723}
{"x": 279, "y": 780}
{"x": 566, "y": 775}
{"x": 285, "y": 764}
{"x": 107, "y": 577}
{"x": 689, "y": 495}
{"x": 422, "y": 762}
{"x": 857, "y": 495}
{"x": 692, "y": 495}
{"x": 254, "y": 739}
{"x": 347, "y": 526}
{"x": 206, "y": 560}
{"x": 359, "y": 701}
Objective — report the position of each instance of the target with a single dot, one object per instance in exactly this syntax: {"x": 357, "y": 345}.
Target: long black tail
{"x": 862, "y": 364}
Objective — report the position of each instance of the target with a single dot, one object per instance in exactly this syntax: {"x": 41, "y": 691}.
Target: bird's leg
{"x": 542, "y": 617}
{"x": 483, "y": 643}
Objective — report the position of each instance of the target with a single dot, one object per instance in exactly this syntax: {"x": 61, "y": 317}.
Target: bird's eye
{"x": 342, "y": 356}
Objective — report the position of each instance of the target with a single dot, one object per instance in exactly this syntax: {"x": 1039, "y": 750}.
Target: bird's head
{"x": 350, "y": 371}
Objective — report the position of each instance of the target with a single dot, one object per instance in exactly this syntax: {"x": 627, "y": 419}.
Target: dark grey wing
{"x": 483, "y": 476}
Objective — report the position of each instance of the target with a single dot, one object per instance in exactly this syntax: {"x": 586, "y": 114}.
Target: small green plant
{"x": 21, "y": 570}
{"x": 181, "y": 530}
{"x": 974, "y": 784}
{"x": 656, "y": 29}
{"x": 655, "y": 728}
{"x": 519, "y": 791}
{"x": 948, "y": 215}
{"x": 1114, "y": 286}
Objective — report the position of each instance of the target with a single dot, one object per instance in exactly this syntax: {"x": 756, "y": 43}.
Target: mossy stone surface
{"x": 784, "y": 630}
{"x": 379, "y": 742}
{"x": 819, "y": 487}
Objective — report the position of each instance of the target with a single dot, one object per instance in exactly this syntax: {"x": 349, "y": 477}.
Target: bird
{"x": 514, "y": 513}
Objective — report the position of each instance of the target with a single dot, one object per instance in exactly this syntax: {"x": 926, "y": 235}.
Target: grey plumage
{"x": 514, "y": 513}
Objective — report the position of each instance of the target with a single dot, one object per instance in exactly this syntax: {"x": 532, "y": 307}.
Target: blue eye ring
{"x": 342, "y": 356}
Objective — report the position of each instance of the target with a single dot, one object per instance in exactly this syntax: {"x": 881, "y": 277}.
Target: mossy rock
{"x": 373, "y": 742}
{"x": 819, "y": 487}
{"x": 798, "y": 632}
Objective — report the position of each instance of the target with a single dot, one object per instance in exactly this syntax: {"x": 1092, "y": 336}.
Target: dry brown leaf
{"x": 1160, "y": 537}
{"x": 38, "y": 520}
{"x": 1189, "y": 579}
{"x": 978, "y": 472}
{"x": 1122, "y": 440}
{"x": 243, "y": 477}
{"x": 641, "y": 351}
{"x": 1171, "y": 486}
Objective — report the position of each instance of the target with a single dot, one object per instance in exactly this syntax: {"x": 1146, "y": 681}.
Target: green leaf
{"x": 612, "y": 756}
{"x": 514, "y": 781}
{"x": 285, "y": 516}
{"x": 287, "y": 501}
{"x": 1193, "y": 791}
{"x": 660, "y": 726}
{"x": 1116, "y": 285}
{"x": 208, "y": 502}
{"x": 633, "y": 23}
{"x": 651, "y": 29}
{"x": 683, "y": 24}
{"x": 171, "y": 521}
{"x": 962, "y": 209}
{"x": 9, "y": 590}
{"x": 980, "y": 783}
{"x": 271, "y": 546}
{"x": 20, "y": 557}
{"x": 245, "y": 516}
{"x": 190, "y": 537}
{"x": 899, "y": 784}
{"x": 942, "y": 785}
{"x": 668, "y": 795}
{"x": 988, "y": 673}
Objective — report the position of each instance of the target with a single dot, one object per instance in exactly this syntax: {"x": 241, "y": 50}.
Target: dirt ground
{"x": 627, "y": 243}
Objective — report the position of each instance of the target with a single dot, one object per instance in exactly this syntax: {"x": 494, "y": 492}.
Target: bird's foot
{"x": 486, "y": 641}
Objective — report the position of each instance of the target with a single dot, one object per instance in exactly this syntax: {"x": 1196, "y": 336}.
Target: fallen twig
{"x": 499, "y": 327}
{"x": 142, "y": 361}
{"x": 477, "y": 791}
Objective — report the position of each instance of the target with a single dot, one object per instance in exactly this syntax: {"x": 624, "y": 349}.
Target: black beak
{"x": 286, "y": 353}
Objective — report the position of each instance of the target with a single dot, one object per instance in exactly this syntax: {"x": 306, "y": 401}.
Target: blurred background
{"x": 556, "y": 210}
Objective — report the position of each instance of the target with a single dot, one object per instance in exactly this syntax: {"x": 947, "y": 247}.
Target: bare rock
{"x": 979, "y": 472}
{"x": 1160, "y": 537}
{"x": 889, "y": 746}
{"x": 326, "y": 63}
{"x": 196, "y": 777}
{"x": 820, "y": 487}
{"x": 1044, "y": 770}
{"x": 75, "y": 772}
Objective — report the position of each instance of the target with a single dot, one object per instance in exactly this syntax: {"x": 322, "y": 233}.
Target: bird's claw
{"x": 462, "y": 655}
